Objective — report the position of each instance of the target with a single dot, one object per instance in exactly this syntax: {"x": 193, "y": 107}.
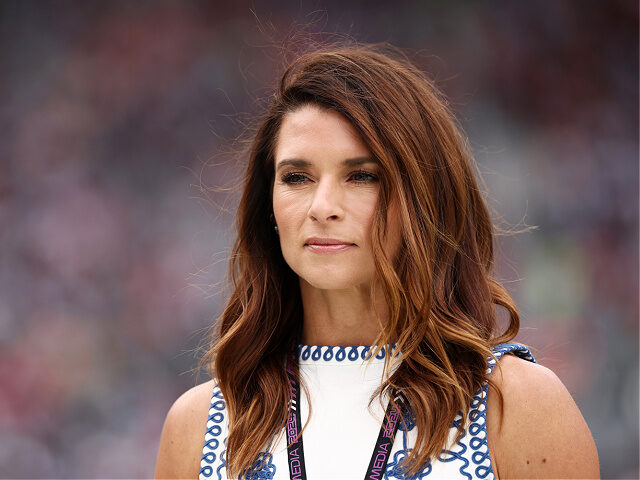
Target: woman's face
{"x": 324, "y": 198}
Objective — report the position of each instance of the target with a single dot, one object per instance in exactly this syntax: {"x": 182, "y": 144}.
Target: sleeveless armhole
{"x": 213, "y": 452}
{"x": 468, "y": 456}
{"x": 481, "y": 458}
{"x": 504, "y": 348}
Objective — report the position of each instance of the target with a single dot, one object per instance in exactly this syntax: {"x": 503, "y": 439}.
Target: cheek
{"x": 366, "y": 223}
{"x": 363, "y": 210}
{"x": 288, "y": 210}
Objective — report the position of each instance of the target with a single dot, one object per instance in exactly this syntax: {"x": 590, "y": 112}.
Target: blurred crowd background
{"x": 117, "y": 122}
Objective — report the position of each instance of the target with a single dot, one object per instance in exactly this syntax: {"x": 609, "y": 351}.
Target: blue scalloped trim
{"x": 474, "y": 454}
{"x": 216, "y": 416}
{"x": 459, "y": 455}
{"x": 322, "y": 353}
{"x": 394, "y": 470}
{"x": 477, "y": 431}
{"x": 477, "y": 427}
{"x": 267, "y": 471}
{"x": 500, "y": 350}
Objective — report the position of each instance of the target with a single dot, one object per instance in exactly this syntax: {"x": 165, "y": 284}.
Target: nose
{"x": 326, "y": 203}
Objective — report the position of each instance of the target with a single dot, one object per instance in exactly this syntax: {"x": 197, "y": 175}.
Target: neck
{"x": 342, "y": 317}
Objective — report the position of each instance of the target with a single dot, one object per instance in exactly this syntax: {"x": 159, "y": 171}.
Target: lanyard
{"x": 295, "y": 450}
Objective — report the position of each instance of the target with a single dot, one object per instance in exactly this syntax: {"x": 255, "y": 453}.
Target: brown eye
{"x": 294, "y": 178}
{"x": 362, "y": 176}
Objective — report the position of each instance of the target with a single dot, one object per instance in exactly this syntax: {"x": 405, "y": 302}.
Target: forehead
{"x": 314, "y": 133}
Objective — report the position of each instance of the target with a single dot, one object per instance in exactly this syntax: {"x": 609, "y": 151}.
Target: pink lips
{"x": 327, "y": 245}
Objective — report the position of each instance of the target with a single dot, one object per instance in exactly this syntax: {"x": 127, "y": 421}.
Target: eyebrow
{"x": 301, "y": 163}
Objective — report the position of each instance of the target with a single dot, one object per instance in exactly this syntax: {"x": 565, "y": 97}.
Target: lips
{"x": 326, "y": 241}
{"x": 327, "y": 245}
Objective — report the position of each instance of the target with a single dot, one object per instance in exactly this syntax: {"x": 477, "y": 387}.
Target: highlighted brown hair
{"x": 440, "y": 292}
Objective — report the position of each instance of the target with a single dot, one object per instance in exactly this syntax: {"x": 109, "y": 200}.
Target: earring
{"x": 275, "y": 225}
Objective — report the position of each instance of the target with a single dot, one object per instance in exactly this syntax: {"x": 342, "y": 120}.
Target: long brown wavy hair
{"x": 439, "y": 290}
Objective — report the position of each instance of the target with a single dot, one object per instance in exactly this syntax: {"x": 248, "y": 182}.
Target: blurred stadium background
{"x": 114, "y": 114}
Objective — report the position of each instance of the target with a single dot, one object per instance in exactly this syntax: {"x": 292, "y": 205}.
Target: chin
{"x": 335, "y": 279}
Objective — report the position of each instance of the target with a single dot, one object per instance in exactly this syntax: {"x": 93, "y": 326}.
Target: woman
{"x": 363, "y": 308}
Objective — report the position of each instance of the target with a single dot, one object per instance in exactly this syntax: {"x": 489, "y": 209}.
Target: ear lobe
{"x": 273, "y": 222}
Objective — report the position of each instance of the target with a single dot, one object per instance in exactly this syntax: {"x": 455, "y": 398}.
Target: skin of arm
{"x": 183, "y": 433}
{"x": 542, "y": 433}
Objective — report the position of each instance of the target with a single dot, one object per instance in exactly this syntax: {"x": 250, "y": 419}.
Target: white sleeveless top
{"x": 342, "y": 429}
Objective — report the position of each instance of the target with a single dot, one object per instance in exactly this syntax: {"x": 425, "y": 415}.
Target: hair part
{"x": 440, "y": 292}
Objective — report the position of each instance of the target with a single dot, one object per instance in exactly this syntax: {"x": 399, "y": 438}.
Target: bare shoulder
{"x": 542, "y": 433}
{"x": 183, "y": 434}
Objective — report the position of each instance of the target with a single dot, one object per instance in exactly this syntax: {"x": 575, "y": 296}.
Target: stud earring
{"x": 275, "y": 225}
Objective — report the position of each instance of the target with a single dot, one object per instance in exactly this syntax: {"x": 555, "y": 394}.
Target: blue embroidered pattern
{"x": 478, "y": 432}
{"x": 472, "y": 449}
{"x": 394, "y": 470}
{"x": 447, "y": 456}
{"x": 212, "y": 436}
{"x": 409, "y": 419}
{"x": 337, "y": 353}
{"x": 263, "y": 468}
{"x": 469, "y": 454}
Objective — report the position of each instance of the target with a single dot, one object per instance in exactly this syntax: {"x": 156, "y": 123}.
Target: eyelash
{"x": 289, "y": 177}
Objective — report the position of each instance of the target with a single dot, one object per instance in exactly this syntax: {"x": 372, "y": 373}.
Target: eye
{"x": 362, "y": 176}
{"x": 294, "y": 178}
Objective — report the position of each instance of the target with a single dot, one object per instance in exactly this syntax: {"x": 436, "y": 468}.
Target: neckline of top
{"x": 341, "y": 355}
